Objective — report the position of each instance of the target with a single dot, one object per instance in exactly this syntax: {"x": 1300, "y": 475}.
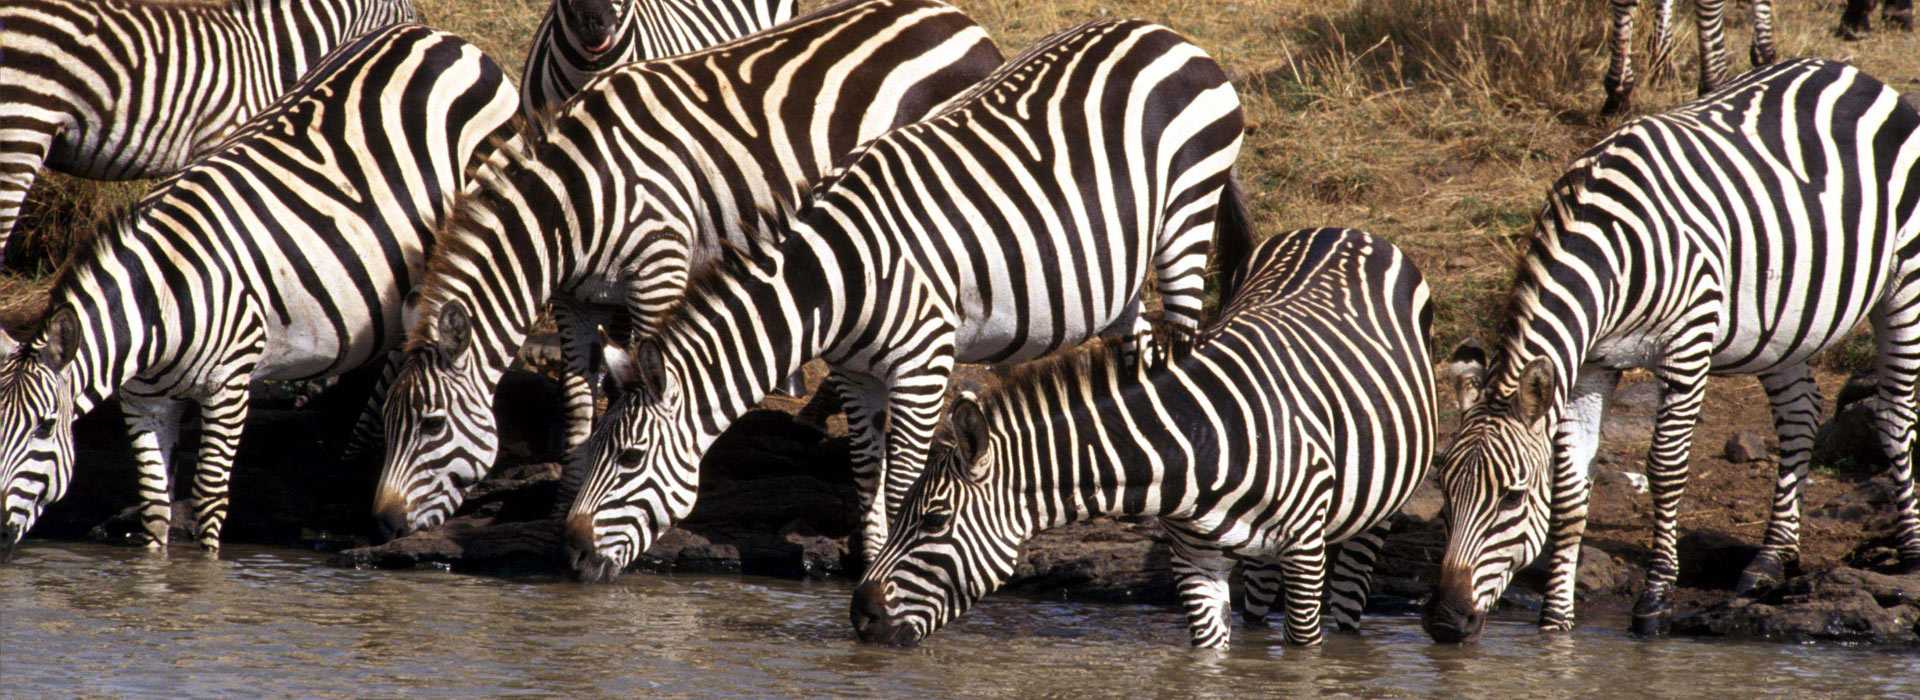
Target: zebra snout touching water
{"x": 1738, "y": 234}
{"x": 1024, "y": 217}
{"x": 642, "y": 180}
{"x": 1282, "y": 436}
{"x": 580, "y": 38}
{"x": 117, "y": 90}
{"x": 283, "y": 255}
{"x": 1711, "y": 31}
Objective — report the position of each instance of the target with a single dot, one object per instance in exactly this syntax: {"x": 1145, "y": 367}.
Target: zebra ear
{"x": 455, "y": 328}
{"x": 1466, "y": 371}
{"x": 410, "y": 311}
{"x": 968, "y": 425}
{"x": 617, "y": 360}
{"x": 1536, "y": 391}
{"x": 61, "y": 339}
{"x": 644, "y": 368}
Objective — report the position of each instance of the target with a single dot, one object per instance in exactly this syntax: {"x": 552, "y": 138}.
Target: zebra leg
{"x": 1897, "y": 368}
{"x": 1685, "y": 374}
{"x": 1660, "y": 66}
{"x": 1857, "y": 20}
{"x": 1261, "y": 580}
{"x": 1712, "y": 24}
{"x": 1576, "y": 440}
{"x": 914, "y": 402}
{"x": 1761, "y": 53}
{"x": 154, "y": 425}
{"x": 578, "y": 348}
{"x": 1351, "y": 579}
{"x": 1795, "y": 399}
{"x": 223, "y": 416}
{"x": 866, "y": 405}
{"x": 25, "y": 140}
{"x": 1898, "y": 13}
{"x": 1201, "y": 579}
{"x": 368, "y": 429}
{"x": 1303, "y": 569}
{"x": 1619, "y": 81}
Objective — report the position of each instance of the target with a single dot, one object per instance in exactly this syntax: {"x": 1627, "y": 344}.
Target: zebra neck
{"x": 117, "y": 342}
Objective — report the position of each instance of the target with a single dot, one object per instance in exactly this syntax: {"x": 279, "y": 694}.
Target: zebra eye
{"x": 936, "y": 521}
{"x": 433, "y": 426}
{"x": 630, "y": 457}
{"x": 44, "y": 429}
{"x": 1513, "y": 498}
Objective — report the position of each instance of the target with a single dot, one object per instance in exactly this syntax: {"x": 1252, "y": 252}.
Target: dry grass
{"x": 1437, "y": 123}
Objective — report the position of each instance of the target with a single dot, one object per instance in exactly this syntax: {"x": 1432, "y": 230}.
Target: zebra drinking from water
{"x": 580, "y": 38}
{"x": 652, "y": 169}
{"x": 1299, "y": 421}
{"x": 1710, "y": 16}
{"x": 1738, "y": 234}
{"x": 283, "y": 255}
{"x": 1023, "y": 218}
{"x": 127, "y": 89}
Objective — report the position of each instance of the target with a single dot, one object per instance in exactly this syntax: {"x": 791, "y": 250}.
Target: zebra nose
{"x": 1449, "y": 622}
{"x": 588, "y": 565}
{"x": 389, "y": 519}
{"x": 9, "y": 539}
{"x": 869, "y": 612}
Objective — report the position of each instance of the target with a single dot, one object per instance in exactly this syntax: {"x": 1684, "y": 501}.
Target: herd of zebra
{"x": 742, "y": 191}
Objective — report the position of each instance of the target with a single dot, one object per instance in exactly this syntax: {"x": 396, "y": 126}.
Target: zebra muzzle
{"x": 1451, "y": 623}
{"x": 9, "y": 539}
{"x": 872, "y": 622}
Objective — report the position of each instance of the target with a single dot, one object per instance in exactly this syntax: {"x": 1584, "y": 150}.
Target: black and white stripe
{"x": 1024, "y": 218}
{"x": 1738, "y": 234}
{"x": 649, "y": 172}
{"x": 126, "y": 89}
{"x": 1294, "y": 427}
{"x": 580, "y": 38}
{"x": 1711, "y": 23}
{"x": 282, "y": 255}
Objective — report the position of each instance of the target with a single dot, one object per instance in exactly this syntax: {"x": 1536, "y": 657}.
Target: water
{"x": 80, "y": 619}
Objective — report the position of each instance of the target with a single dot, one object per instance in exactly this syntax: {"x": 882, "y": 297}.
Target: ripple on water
{"x": 105, "y": 620}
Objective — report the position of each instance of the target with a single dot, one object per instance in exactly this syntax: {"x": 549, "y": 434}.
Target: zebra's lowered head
{"x": 439, "y": 427}
{"x": 953, "y": 543}
{"x": 1497, "y": 479}
{"x": 593, "y": 25}
{"x": 642, "y": 469}
{"x": 36, "y": 425}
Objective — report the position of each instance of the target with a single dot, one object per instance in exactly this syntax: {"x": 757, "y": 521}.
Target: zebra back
{"x": 580, "y": 38}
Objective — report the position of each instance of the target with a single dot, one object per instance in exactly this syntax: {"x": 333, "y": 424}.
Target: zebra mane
{"x": 1162, "y": 345}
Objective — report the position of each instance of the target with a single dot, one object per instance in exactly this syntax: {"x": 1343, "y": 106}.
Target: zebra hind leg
{"x": 223, "y": 416}
{"x": 1619, "y": 81}
{"x": 1260, "y": 579}
{"x": 1761, "y": 53}
{"x": 1303, "y": 570}
{"x": 1351, "y": 580}
{"x": 1200, "y": 577}
{"x": 1897, "y": 368}
{"x": 1795, "y": 400}
{"x": 1685, "y": 376}
{"x": 1711, "y": 18}
{"x": 153, "y": 423}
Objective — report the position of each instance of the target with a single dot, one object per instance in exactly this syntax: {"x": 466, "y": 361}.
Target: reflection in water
{"x": 87, "y": 619}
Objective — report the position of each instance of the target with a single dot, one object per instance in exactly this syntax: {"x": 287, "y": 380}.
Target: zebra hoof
{"x": 1652, "y": 615}
{"x": 1617, "y": 104}
{"x": 1254, "y": 620}
{"x": 1760, "y": 57}
{"x": 1760, "y": 576}
{"x": 1908, "y": 566}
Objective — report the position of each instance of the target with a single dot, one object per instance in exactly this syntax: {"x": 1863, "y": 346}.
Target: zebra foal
{"x": 127, "y": 89}
{"x": 1298, "y": 421}
{"x": 283, "y": 255}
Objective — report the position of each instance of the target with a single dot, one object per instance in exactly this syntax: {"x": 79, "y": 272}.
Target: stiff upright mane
{"x": 1160, "y": 346}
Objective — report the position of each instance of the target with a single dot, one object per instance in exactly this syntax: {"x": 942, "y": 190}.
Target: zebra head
{"x": 592, "y": 25}
{"x": 642, "y": 466}
{"x": 36, "y": 426}
{"x": 439, "y": 429}
{"x": 953, "y": 543}
{"x": 1497, "y": 480}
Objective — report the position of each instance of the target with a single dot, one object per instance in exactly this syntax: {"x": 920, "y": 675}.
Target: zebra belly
{"x": 1002, "y": 331}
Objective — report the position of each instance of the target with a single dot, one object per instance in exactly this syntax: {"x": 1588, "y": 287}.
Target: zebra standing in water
{"x": 580, "y": 38}
{"x": 127, "y": 89}
{"x": 1738, "y": 234}
{"x": 1300, "y": 420}
{"x": 282, "y": 255}
{"x": 1023, "y": 218}
{"x": 652, "y": 169}
{"x": 1710, "y": 16}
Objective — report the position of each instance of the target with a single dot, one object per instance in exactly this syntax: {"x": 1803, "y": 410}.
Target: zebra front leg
{"x": 1685, "y": 377}
{"x": 1897, "y": 370}
{"x": 25, "y": 140}
{"x": 368, "y": 430}
{"x": 913, "y": 410}
{"x": 1201, "y": 578}
{"x": 579, "y": 346}
{"x": 1711, "y": 22}
{"x": 1660, "y": 65}
{"x": 1795, "y": 400}
{"x": 1351, "y": 580}
{"x": 1303, "y": 570}
{"x": 154, "y": 425}
{"x": 1576, "y": 441}
{"x": 866, "y": 404}
{"x": 223, "y": 416}
{"x": 1761, "y": 52}
{"x": 1261, "y": 579}
{"x": 1619, "y": 80}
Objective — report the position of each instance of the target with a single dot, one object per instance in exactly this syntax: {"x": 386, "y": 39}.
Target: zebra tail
{"x": 1232, "y": 242}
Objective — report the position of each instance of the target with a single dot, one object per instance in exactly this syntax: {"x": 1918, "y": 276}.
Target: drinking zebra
{"x": 580, "y": 38}
{"x": 282, "y": 255}
{"x": 1710, "y": 16}
{"x": 652, "y": 169}
{"x": 1023, "y": 218}
{"x": 1300, "y": 420}
{"x": 1738, "y": 234}
{"x": 127, "y": 89}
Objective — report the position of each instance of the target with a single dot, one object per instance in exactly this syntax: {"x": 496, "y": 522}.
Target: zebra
{"x": 1290, "y": 430}
{"x": 280, "y": 256}
{"x": 1710, "y": 17}
{"x": 646, "y": 175}
{"x": 1737, "y": 234}
{"x": 1857, "y": 20}
{"x": 579, "y": 38}
{"x": 129, "y": 89}
{"x": 1022, "y": 218}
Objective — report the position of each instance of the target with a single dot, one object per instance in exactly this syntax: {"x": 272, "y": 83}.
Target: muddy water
{"x": 93, "y": 620}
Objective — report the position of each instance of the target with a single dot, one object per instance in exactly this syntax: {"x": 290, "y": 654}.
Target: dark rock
{"x": 1713, "y": 560}
{"x": 1747, "y": 446}
{"x": 1603, "y": 573}
{"x": 1864, "y": 501}
{"x": 1102, "y": 560}
{"x": 1849, "y": 443}
{"x": 1841, "y": 605}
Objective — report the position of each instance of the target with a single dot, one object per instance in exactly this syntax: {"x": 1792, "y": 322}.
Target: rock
{"x": 1602, "y": 573}
{"x": 1625, "y": 482}
{"x": 1849, "y": 443}
{"x": 1838, "y": 605}
{"x": 1864, "y": 501}
{"x": 1102, "y": 560}
{"x": 1747, "y": 446}
{"x": 516, "y": 547}
{"x": 1422, "y": 509}
{"x": 1713, "y": 560}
